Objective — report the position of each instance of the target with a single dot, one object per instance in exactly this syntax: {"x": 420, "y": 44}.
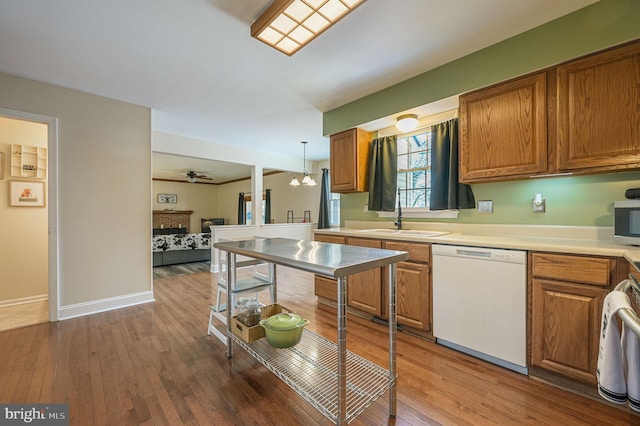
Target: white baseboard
{"x": 24, "y": 300}
{"x": 103, "y": 305}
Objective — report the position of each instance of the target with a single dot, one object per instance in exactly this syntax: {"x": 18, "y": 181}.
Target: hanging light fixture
{"x": 306, "y": 179}
{"x": 288, "y": 25}
{"x": 407, "y": 122}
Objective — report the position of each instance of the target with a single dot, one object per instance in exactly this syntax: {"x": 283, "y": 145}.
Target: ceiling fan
{"x": 192, "y": 176}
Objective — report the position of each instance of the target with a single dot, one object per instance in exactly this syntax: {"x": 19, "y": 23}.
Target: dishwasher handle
{"x": 474, "y": 253}
{"x": 480, "y": 253}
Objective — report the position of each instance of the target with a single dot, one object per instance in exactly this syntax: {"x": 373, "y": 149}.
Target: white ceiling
{"x": 194, "y": 63}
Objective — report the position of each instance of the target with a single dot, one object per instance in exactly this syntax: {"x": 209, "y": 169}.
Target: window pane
{"x": 418, "y": 159}
{"x": 417, "y": 198}
{"x": 403, "y": 162}
{"x": 402, "y": 180}
{"x": 414, "y": 170}
{"x": 403, "y": 146}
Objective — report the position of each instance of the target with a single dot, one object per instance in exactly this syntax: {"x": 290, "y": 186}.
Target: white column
{"x": 256, "y": 194}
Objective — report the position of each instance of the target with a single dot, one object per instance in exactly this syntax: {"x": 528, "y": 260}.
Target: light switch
{"x": 485, "y": 206}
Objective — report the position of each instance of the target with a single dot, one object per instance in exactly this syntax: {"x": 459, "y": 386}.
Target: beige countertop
{"x": 573, "y": 240}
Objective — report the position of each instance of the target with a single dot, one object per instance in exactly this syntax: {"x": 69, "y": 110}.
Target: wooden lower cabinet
{"x": 327, "y": 287}
{"x": 413, "y": 285}
{"x": 367, "y": 292}
{"x": 566, "y": 327}
{"x": 413, "y": 289}
{"x": 365, "y": 288}
{"x": 567, "y": 293}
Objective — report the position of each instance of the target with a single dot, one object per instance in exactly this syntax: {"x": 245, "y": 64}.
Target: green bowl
{"x": 284, "y": 330}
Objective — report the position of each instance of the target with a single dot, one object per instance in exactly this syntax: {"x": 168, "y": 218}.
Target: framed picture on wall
{"x": 26, "y": 194}
{"x": 1, "y": 165}
{"x": 168, "y": 198}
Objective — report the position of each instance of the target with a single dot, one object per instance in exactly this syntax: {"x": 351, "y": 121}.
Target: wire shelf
{"x": 311, "y": 369}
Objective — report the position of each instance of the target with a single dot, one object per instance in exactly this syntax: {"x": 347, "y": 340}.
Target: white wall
{"x": 103, "y": 190}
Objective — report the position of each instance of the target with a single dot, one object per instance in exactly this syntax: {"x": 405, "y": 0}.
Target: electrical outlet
{"x": 485, "y": 206}
{"x": 366, "y": 208}
{"x": 539, "y": 206}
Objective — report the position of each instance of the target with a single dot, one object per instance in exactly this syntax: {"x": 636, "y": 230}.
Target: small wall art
{"x": 1, "y": 165}
{"x": 26, "y": 194}
{"x": 168, "y": 198}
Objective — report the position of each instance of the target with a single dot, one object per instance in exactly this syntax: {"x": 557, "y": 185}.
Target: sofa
{"x": 171, "y": 249}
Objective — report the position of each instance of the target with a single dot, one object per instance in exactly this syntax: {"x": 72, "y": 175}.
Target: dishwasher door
{"x": 480, "y": 303}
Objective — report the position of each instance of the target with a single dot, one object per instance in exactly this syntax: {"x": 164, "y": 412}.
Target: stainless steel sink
{"x": 408, "y": 232}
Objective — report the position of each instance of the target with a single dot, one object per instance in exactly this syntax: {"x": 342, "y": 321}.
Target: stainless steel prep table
{"x": 316, "y": 367}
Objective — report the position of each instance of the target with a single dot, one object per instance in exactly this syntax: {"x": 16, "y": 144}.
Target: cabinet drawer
{"x": 585, "y": 270}
{"x": 417, "y": 252}
{"x": 326, "y": 287}
{"x": 364, "y": 242}
{"x": 335, "y": 239}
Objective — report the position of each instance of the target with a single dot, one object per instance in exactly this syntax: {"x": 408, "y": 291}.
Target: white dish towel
{"x": 611, "y": 364}
{"x": 631, "y": 345}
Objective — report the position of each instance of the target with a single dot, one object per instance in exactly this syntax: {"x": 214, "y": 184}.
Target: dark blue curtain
{"x": 242, "y": 218}
{"x": 447, "y": 193}
{"x": 267, "y": 206}
{"x": 324, "y": 221}
{"x": 383, "y": 174}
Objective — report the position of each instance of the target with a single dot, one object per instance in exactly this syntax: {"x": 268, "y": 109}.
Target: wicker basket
{"x": 251, "y": 334}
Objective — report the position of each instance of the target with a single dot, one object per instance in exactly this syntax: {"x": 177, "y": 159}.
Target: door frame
{"x": 52, "y": 199}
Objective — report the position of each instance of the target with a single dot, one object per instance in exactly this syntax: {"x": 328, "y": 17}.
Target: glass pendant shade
{"x": 306, "y": 179}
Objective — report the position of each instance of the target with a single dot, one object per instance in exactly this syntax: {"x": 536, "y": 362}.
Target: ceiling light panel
{"x": 298, "y": 11}
{"x": 288, "y": 25}
{"x": 333, "y": 9}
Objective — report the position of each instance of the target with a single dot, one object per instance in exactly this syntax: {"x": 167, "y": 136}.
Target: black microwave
{"x": 626, "y": 222}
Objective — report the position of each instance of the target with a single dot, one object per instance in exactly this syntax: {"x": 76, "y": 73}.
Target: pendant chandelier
{"x": 306, "y": 179}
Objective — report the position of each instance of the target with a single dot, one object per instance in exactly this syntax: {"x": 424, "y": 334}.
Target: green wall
{"x": 603, "y": 24}
{"x": 571, "y": 200}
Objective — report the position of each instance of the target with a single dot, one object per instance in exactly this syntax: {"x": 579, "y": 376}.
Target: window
{"x": 414, "y": 170}
{"x": 334, "y": 209}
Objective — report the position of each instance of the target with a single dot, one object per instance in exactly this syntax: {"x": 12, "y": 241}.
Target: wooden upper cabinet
{"x": 598, "y": 126}
{"x": 503, "y": 130}
{"x": 349, "y": 161}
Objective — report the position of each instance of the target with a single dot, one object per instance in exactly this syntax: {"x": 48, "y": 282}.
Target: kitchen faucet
{"x": 398, "y": 222}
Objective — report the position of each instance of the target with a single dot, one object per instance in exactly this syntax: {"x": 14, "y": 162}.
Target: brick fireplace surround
{"x": 172, "y": 218}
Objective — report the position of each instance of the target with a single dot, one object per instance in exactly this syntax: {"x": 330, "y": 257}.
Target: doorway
{"x": 28, "y": 257}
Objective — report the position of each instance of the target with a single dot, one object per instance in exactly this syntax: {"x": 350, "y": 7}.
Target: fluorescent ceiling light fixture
{"x": 288, "y": 25}
{"x": 407, "y": 122}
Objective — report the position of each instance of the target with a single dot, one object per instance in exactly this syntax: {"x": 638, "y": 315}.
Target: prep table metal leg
{"x": 392, "y": 339}
{"x": 231, "y": 283}
{"x": 342, "y": 351}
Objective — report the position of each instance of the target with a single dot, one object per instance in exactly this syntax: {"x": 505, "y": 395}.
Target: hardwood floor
{"x": 23, "y": 315}
{"x": 180, "y": 269}
{"x": 154, "y": 364}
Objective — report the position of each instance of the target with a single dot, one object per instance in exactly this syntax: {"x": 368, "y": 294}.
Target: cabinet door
{"x": 413, "y": 289}
{"x": 598, "y": 125}
{"x": 349, "y": 161}
{"x": 503, "y": 131}
{"x": 323, "y": 286}
{"x": 566, "y": 327}
{"x": 365, "y": 288}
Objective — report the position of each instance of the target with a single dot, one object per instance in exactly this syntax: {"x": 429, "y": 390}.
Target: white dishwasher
{"x": 480, "y": 303}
